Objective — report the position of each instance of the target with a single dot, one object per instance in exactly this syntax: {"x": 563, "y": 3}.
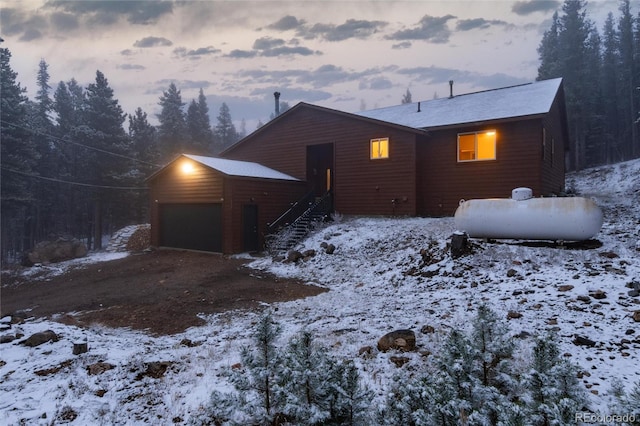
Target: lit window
{"x": 379, "y": 148}
{"x": 477, "y": 146}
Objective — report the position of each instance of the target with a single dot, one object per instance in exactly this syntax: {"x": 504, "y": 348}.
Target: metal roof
{"x": 516, "y": 101}
{"x": 240, "y": 168}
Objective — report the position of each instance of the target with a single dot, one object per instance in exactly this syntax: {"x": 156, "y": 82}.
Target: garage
{"x": 191, "y": 226}
{"x": 217, "y": 205}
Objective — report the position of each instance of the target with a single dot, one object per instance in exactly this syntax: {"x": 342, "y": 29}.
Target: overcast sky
{"x": 347, "y": 55}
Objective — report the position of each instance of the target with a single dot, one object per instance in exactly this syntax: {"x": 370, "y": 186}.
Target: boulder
{"x": 99, "y": 368}
{"x": 38, "y": 339}
{"x": 402, "y": 340}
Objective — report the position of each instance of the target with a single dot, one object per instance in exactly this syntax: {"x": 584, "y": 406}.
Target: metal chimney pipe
{"x": 277, "y": 96}
{"x": 418, "y": 106}
{"x": 450, "y": 89}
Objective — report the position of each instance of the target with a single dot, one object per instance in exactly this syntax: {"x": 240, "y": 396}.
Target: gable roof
{"x": 524, "y": 100}
{"x": 239, "y": 168}
{"x": 231, "y": 168}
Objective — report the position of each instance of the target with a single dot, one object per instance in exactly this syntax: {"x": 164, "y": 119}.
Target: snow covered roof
{"x": 239, "y": 168}
{"x": 515, "y": 101}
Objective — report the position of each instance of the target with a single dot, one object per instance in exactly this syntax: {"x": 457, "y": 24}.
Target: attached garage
{"x": 191, "y": 226}
{"x": 217, "y": 205}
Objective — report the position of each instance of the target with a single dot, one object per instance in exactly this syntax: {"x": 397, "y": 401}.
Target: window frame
{"x": 371, "y": 152}
{"x": 475, "y": 151}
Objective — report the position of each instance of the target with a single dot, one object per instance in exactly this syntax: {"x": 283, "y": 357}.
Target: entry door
{"x": 320, "y": 168}
{"x": 250, "y": 237}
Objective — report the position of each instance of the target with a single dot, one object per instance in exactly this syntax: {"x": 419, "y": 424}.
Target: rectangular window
{"x": 477, "y": 146}
{"x": 379, "y": 148}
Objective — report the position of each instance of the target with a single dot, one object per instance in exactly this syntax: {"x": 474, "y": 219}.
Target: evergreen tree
{"x": 549, "y": 52}
{"x": 609, "y": 85}
{"x": 201, "y": 135}
{"x": 19, "y": 161}
{"x": 555, "y": 393}
{"x": 172, "y": 131}
{"x": 43, "y": 100}
{"x": 406, "y": 98}
{"x": 225, "y": 131}
{"x": 259, "y": 375}
{"x": 144, "y": 144}
{"x": 628, "y": 81}
{"x": 103, "y": 129}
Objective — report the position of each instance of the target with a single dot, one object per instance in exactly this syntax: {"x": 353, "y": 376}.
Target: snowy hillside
{"x": 385, "y": 274}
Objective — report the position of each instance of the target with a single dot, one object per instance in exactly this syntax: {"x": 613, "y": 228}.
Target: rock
{"x": 188, "y": 343}
{"x": 308, "y": 253}
{"x": 636, "y": 316}
{"x": 399, "y": 361}
{"x": 294, "y": 256}
{"x": 514, "y": 315}
{"x": 365, "y": 350}
{"x": 427, "y": 329}
{"x": 324, "y": 245}
{"x": 629, "y": 331}
{"x": 403, "y": 340}
{"x": 330, "y": 249}
{"x": 609, "y": 254}
{"x": 565, "y": 287}
{"x": 583, "y": 341}
{"x": 598, "y": 294}
{"x": 584, "y": 298}
{"x": 7, "y": 338}
{"x": 512, "y": 273}
{"x": 38, "y": 339}
{"x": 634, "y": 293}
{"x": 99, "y": 368}
{"x": 155, "y": 369}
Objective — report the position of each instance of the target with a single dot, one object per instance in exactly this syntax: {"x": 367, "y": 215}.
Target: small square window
{"x": 379, "y": 148}
{"x": 477, "y": 146}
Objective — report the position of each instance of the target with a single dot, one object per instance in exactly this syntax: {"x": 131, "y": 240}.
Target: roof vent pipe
{"x": 450, "y": 89}
{"x": 277, "y": 96}
{"x": 418, "y": 106}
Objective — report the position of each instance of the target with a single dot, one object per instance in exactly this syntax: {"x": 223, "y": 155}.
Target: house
{"x": 416, "y": 159}
{"x": 216, "y": 204}
{"x": 421, "y": 158}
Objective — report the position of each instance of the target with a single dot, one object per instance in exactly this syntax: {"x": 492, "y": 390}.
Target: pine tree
{"x": 199, "y": 126}
{"x": 549, "y": 52}
{"x": 103, "y": 129}
{"x": 172, "y": 131}
{"x": 406, "y": 98}
{"x": 19, "y": 160}
{"x": 627, "y": 82}
{"x": 225, "y": 131}
{"x": 259, "y": 375}
{"x": 144, "y": 144}
{"x": 609, "y": 85}
{"x": 555, "y": 393}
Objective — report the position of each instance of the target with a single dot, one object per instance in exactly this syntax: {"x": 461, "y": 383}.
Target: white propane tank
{"x": 525, "y": 218}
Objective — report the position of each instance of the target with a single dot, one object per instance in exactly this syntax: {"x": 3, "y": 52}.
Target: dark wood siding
{"x": 361, "y": 186}
{"x": 173, "y": 186}
{"x": 553, "y": 158}
{"x": 444, "y": 181}
{"x": 272, "y": 198}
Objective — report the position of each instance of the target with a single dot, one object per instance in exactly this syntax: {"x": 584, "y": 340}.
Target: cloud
{"x": 15, "y": 22}
{"x": 266, "y": 43}
{"x": 472, "y": 24}
{"x": 131, "y": 67}
{"x": 126, "y": 52}
{"x": 376, "y": 83}
{"x": 286, "y": 23}
{"x": 437, "y": 75}
{"x": 195, "y": 53}
{"x": 241, "y": 54}
{"x": 430, "y": 28}
{"x": 352, "y": 28}
{"x": 286, "y": 50}
{"x": 31, "y": 34}
{"x": 62, "y": 21}
{"x": 402, "y": 45}
{"x": 109, "y": 12}
{"x": 152, "y": 42}
{"x": 532, "y": 6}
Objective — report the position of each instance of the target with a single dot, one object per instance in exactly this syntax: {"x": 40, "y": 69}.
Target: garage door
{"x": 191, "y": 226}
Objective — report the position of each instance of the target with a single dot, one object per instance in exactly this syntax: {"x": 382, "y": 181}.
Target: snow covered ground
{"x": 378, "y": 281}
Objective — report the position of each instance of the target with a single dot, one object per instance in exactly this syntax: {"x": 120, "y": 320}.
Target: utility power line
{"x": 128, "y": 188}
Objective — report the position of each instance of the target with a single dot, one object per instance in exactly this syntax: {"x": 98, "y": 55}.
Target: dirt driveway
{"x": 162, "y": 291}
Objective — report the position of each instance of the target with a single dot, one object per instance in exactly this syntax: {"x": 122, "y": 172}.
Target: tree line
{"x": 601, "y": 74}
{"x": 74, "y": 164}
